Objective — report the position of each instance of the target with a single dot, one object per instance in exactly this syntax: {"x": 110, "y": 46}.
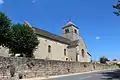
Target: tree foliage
{"x": 5, "y": 24}
{"x": 18, "y": 38}
{"x": 114, "y": 59}
{"x": 103, "y": 60}
{"x": 23, "y": 40}
{"x": 117, "y": 7}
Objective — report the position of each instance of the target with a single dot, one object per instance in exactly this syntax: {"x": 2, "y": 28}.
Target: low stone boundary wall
{"x": 20, "y": 68}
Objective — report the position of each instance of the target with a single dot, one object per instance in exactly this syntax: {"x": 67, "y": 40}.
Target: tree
{"x": 18, "y": 38}
{"x": 117, "y": 7}
{"x": 23, "y": 40}
{"x": 114, "y": 59}
{"x": 103, "y": 60}
{"x": 5, "y": 24}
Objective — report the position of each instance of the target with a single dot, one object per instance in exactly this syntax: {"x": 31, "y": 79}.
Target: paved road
{"x": 103, "y": 75}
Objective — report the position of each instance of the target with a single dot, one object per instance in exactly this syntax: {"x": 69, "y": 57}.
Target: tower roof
{"x": 70, "y": 24}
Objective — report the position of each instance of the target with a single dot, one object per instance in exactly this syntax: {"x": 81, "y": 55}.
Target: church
{"x": 68, "y": 47}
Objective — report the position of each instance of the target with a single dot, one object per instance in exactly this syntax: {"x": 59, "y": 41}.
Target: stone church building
{"x": 68, "y": 47}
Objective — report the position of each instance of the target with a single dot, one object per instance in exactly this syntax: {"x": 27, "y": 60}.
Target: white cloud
{"x": 1, "y": 1}
{"x": 33, "y": 1}
{"x": 98, "y": 38}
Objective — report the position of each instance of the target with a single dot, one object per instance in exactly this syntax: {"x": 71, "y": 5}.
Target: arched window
{"x": 83, "y": 52}
{"x": 75, "y": 31}
{"x": 65, "y": 52}
{"x": 49, "y": 48}
{"x": 66, "y": 30}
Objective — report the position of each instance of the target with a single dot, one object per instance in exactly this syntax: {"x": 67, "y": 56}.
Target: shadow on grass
{"x": 110, "y": 75}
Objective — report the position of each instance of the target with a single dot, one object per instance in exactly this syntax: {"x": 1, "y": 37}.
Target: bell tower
{"x": 70, "y": 31}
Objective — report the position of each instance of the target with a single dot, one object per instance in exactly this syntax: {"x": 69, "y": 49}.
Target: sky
{"x": 99, "y": 27}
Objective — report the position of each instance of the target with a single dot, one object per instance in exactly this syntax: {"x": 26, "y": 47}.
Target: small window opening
{"x": 75, "y": 31}
{"x": 49, "y": 48}
{"x": 66, "y": 30}
{"x": 65, "y": 52}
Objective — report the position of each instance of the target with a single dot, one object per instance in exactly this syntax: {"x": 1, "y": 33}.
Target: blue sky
{"x": 99, "y": 27}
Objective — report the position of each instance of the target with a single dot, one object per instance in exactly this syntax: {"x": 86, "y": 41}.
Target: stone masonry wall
{"x": 29, "y": 68}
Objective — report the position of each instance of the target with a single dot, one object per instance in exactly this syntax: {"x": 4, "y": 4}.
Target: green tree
{"x": 103, "y": 60}
{"x": 23, "y": 40}
{"x": 114, "y": 59}
{"x": 5, "y": 24}
{"x": 117, "y": 7}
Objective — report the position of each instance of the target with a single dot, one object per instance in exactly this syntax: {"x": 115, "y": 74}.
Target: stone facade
{"x": 78, "y": 51}
{"x": 68, "y": 32}
{"x": 31, "y": 68}
{"x": 71, "y": 51}
{"x": 56, "y": 52}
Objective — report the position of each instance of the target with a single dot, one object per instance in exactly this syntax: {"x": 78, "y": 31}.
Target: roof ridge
{"x": 51, "y": 35}
{"x": 70, "y": 23}
{"x": 49, "y": 32}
